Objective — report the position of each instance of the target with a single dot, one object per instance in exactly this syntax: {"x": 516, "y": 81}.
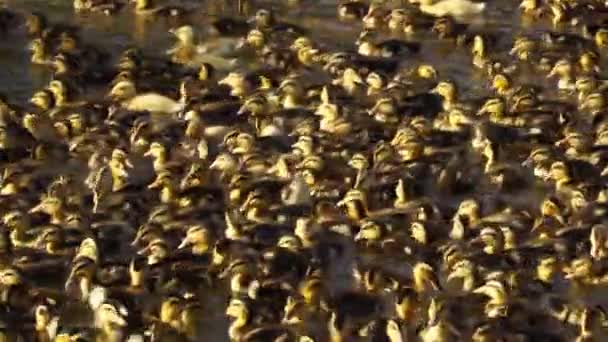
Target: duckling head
{"x": 528, "y": 6}
{"x": 369, "y": 232}
{"x": 264, "y": 18}
{"x": 355, "y": 204}
{"x": 206, "y": 72}
{"x": 123, "y": 90}
{"x": 58, "y": 88}
{"x": 43, "y": 99}
{"x": 601, "y": 38}
{"x": 184, "y": 34}
{"x": 237, "y": 82}
{"x": 156, "y": 251}
{"x": 290, "y": 243}
{"x": 308, "y": 56}
{"x": 156, "y": 150}
{"x": 469, "y": 209}
{"x": 479, "y": 46}
{"x": 170, "y": 310}
{"x": 593, "y": 102}
{"x": 257, "y": 105}
{"x": 424, "y": 277}
{"x": 523, "y": 47}
{"x": 49, "y": 204}
{"x": 562, "y": 68}
{"x": 198, "y": 238}
{"x": 10, "y": 277}
{"x": 385, "y": 110}
{"x": 304, "y": 146}
{"x": 39, "y": 51}
{"x": 546, "y": 269}
{"x": 447, "y": 90}
{"x": 588, "y": 62}
{"x": 465, "y": 270}
{"x": 61, "y": 64}
{"x": 255, "y": 39}
{"x": 109, "y": 319}
{"x": 44, "y": 321}
{"x": 224, "y": 162}
{"x": 237, "y": 309}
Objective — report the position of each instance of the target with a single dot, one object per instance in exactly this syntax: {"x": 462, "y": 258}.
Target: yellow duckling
{"x": 198, "y": 238}
{"x": 40, "y": 54}
{"x": 331, "y": 120}
{"x": 53, "y": 206}
{"x": 110, "y": 323}
{"x": 459, "y": 9}
{"x": 84, "y": 266}
{"x": 45, "y": 324}
{"x": 125, "y": 92}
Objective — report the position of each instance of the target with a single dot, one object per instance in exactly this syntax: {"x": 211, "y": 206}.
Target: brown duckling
{"x": 352, "y": 10}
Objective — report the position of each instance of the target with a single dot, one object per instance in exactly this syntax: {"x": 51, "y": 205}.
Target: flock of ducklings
{"x": 330, "y": 195}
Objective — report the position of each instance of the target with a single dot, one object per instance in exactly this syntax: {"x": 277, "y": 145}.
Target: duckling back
{"x": 454, "y": 8}
{"x": 155, "y": 103}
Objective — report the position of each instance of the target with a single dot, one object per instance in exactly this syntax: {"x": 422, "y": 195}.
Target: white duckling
{"x": 189, "y": 52}
{"x": 459, "y": 9}
{"x": 126, "y": 92}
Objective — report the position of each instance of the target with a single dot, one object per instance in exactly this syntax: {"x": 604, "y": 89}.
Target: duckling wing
{"x": 154, "y": 103}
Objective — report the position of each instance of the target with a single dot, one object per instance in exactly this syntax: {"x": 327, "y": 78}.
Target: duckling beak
{"x": 527, "y": 162}
{"x": 483, "y": 110}
{"x": 185, "y": 243}
{"x": 145, "y": 250}
{"x": 359, "y": 236}
{"x": 242, "y": 110}
{"x": 37, "y": 209}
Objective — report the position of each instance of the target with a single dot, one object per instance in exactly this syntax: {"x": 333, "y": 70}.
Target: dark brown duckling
{"x": 387, "y": 48}
{"x": 352, "y": 10}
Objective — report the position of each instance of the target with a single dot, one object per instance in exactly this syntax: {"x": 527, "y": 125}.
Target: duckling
{"x": 374, "y": 18}
{"x": 458, "y": 9}
{"x": 351, "y": 81}
{"x": 198, "y": 238}
{"x": 186, "y": 51}
{"x": 84, "y": 265}
{"x": 449, "y": 92}
{"x": 265, "y": 20}
{"x": 332, "y": 121}
{"x": 386, "y": 49}
{"x": 155, "y": 103}
{"x": 45, "y": 324}
{"x": 438, "y": 328}
{"x": 40, "y": 52}
{"x": 563, "y": 69}
{"x": 110, "y": 323}
{"x": 352, "y": 10}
